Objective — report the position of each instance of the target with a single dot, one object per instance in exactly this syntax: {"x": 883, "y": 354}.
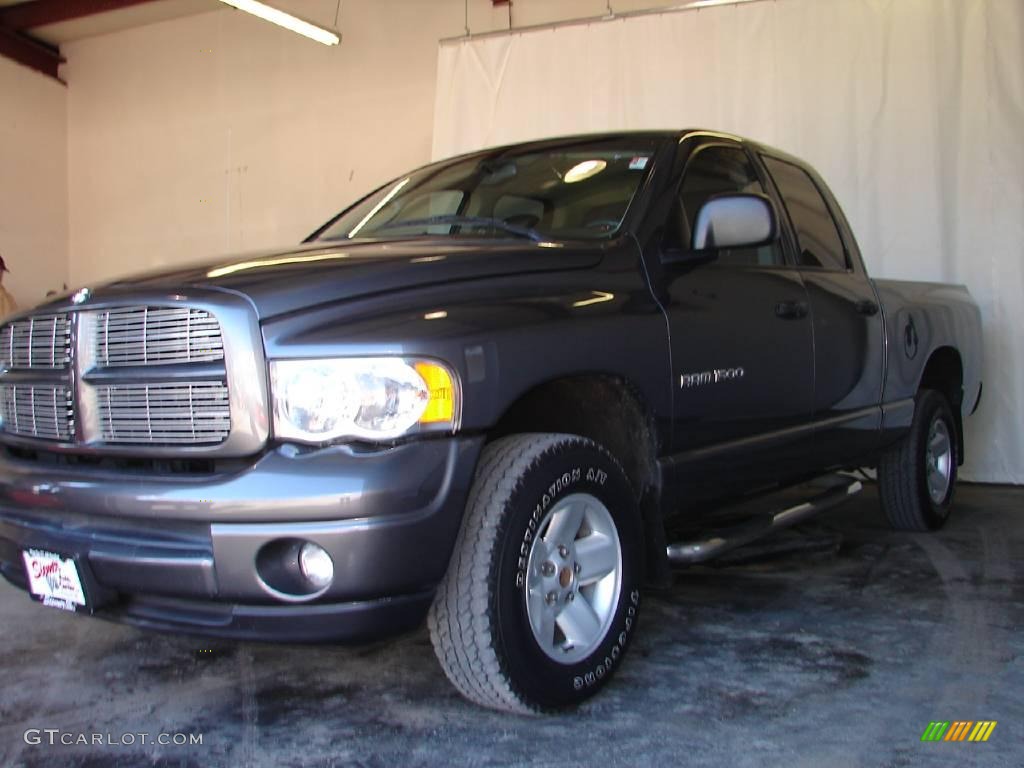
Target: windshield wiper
{"x": 514, "y": 229}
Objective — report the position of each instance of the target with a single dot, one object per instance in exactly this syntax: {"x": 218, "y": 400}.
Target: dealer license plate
{"x": 53, "y": 579}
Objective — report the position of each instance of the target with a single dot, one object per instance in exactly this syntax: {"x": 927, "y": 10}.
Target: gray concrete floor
{"x": 837, "y": 653}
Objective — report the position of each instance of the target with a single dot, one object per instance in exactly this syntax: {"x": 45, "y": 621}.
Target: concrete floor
{"x": 836, "y": 654}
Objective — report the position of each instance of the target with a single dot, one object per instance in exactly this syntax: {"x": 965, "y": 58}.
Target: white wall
{"x": 220, "y": 132}
{"x": 33, "y": 182}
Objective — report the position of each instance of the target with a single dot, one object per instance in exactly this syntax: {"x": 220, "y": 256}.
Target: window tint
{"x": 820, "y": 244}
{"x": 716, "y": 170}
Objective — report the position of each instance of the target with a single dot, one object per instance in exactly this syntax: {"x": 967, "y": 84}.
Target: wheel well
{"x": 944, "y": 372}
{"x": 605, "y": 409}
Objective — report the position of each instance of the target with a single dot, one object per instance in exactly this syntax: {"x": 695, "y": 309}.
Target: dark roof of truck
{"x": 661, "y": 135}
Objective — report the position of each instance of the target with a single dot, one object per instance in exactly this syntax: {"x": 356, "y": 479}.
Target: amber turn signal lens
{"x": 441, "y": 406}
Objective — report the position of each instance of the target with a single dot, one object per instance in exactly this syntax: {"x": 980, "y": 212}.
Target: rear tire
{"x": 917, "y": 476}
{"x": 542, "y": 595}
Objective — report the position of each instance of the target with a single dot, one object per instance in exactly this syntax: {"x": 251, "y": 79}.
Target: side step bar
{"x": 838, "y": 488}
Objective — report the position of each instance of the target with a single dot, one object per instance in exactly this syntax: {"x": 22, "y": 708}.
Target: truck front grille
{"x": 42, "y": 411}
{"x": 156, "y": 336}
{"x": 189, "y": 413}
{"x": 140, "y": 375}
{"x": 42, "y": 341}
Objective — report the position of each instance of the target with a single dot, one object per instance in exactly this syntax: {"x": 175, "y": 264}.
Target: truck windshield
{"x": 574, "y": 190}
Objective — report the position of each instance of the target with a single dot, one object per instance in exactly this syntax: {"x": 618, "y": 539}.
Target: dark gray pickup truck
{"x": 485, "y": 394}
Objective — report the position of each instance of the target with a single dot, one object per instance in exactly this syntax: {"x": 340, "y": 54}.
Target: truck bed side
{"x": 921, "y": 321}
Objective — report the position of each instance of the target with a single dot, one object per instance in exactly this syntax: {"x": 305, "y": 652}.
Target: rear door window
{"x": 818, "y": 237}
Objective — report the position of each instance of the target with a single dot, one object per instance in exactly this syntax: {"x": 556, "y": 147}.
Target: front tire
{"x": 542, "y": 595}
{"x": 917, "y": 476}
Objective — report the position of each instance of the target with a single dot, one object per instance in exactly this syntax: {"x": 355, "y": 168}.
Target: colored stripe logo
{"x": 959, "y": 730}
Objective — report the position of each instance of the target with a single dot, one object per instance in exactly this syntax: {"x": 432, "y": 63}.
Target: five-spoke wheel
{"x": 574, "y": 578}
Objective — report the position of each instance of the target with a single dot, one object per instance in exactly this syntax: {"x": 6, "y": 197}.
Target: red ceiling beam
{"x": 39, "y": 13}
{"x": 32, "y": 53}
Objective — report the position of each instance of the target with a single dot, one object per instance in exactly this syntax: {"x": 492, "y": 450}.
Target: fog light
{"x": 316, "y": 565}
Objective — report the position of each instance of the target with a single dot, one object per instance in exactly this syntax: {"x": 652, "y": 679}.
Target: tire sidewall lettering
{"x": 616, "y": 651}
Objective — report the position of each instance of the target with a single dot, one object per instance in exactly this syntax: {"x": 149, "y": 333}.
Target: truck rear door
{"x": 846, "y": 318}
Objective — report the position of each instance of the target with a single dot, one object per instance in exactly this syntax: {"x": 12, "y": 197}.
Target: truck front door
{"x": 740, "y": 336}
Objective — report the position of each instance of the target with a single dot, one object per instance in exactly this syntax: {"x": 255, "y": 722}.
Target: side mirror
{"x": 735, "y": 221}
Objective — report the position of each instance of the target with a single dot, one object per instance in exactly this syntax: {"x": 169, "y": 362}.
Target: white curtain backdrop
{"x": 913, "y": 110}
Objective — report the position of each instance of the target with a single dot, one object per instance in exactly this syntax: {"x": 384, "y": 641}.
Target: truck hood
{"x": 282, "y": 281}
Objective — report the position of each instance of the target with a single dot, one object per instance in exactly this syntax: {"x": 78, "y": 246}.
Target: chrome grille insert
{"x": 173, "y": 413}
{"x": 150, "y": 375}
{"x": 42, "y": 341}
{"x": 37, "y": 410}
{"x": 128, "y": 336}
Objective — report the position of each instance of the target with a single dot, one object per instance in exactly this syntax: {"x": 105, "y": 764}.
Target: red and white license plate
{"x": 53, "y": 579}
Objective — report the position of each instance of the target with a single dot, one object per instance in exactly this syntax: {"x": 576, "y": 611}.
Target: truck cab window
{"x": 522, "y": 211}
{"x": 816, "y": 231}
{"x": 716, "y": 170}
{"x": 579, "y": 189}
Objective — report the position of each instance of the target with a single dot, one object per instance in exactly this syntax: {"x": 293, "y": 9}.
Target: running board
{"x": 838, "y": 489}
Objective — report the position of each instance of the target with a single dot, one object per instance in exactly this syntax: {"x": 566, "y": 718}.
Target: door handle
{"x": 867, "y": 307}
{"x": 791, "y": 310}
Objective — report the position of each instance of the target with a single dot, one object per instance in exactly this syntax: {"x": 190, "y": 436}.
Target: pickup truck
{"x": 484, "y": 394}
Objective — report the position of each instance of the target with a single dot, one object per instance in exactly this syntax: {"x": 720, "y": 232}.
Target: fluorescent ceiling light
{"x": 286, "y": 20}
{"x": 709, "y": 3}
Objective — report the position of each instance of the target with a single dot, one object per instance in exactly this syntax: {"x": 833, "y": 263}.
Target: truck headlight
{"x": 369, "y": 398}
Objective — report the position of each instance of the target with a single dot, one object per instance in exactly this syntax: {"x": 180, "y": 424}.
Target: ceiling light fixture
{"x": 710, "y": 3}
{"x": 584, "y": 170}
{"x": 286, "y": 20}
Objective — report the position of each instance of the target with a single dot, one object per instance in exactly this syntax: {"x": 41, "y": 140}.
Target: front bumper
{"x": 180, "y": 551}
